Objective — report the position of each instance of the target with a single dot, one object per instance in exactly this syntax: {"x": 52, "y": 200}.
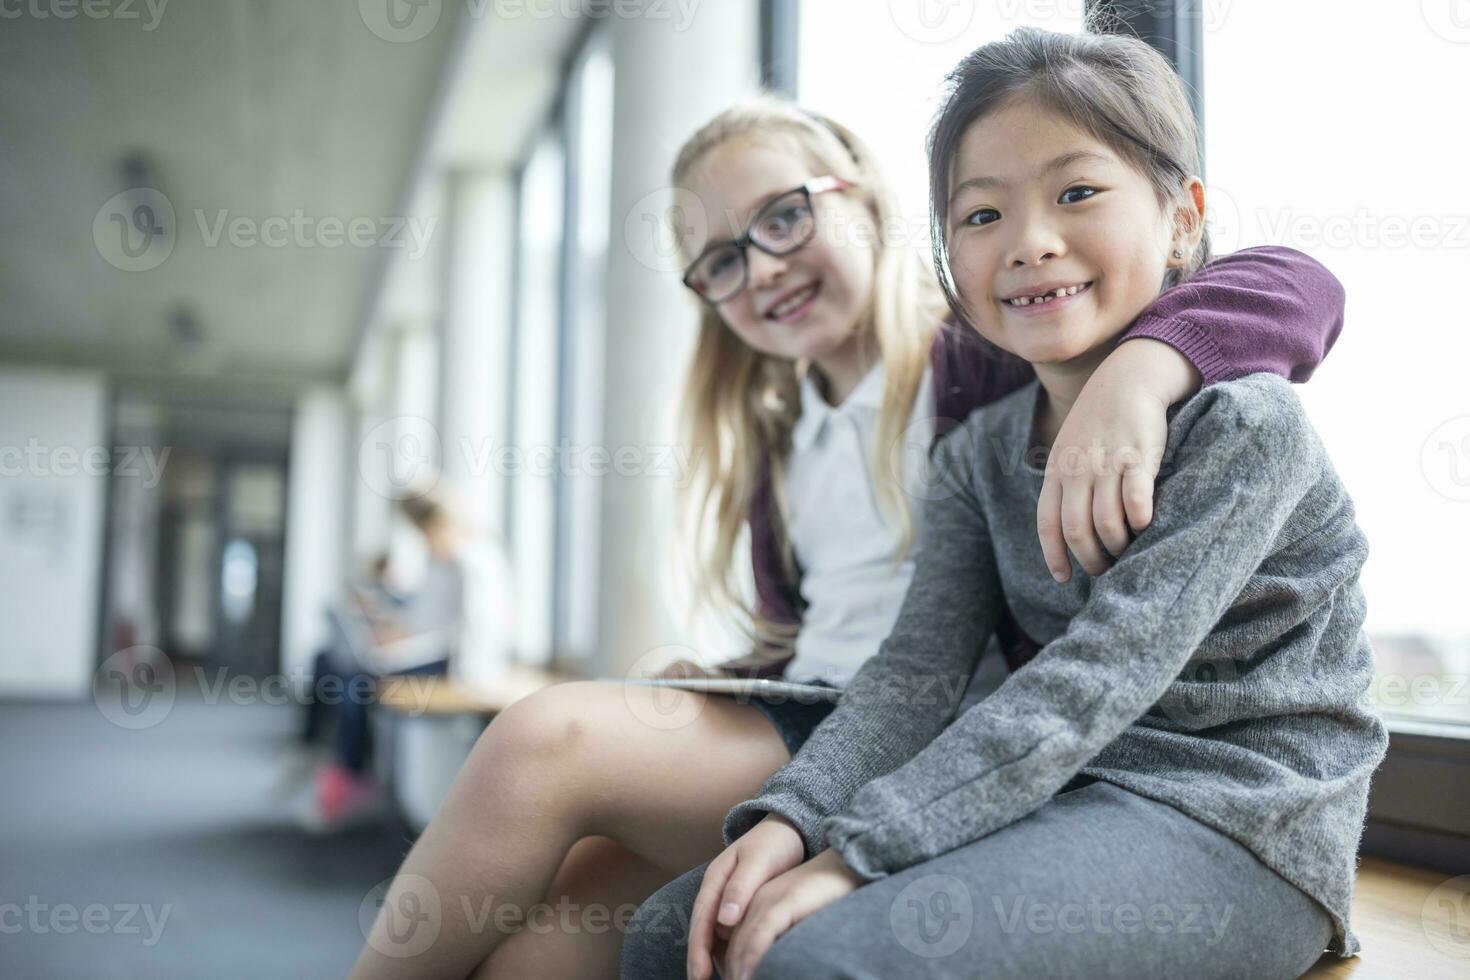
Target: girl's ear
{"x": 1189, "y": 223}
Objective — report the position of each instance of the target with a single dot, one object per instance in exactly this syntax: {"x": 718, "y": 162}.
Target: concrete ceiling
{"x": 248, "y": 109}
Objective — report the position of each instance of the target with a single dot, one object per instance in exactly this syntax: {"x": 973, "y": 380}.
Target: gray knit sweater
{"x": 1219, "y": 666}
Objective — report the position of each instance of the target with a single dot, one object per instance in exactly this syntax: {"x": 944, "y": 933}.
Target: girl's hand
{"x": 1100, "y": 474}
{"x": 781, "y": 904}
{"x": 766, "y": 850}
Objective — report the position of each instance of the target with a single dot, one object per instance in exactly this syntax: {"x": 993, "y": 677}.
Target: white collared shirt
{"x": 842, "y": 541}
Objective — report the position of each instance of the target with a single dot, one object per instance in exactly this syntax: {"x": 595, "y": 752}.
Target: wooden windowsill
{"x": 1395, "y": 921}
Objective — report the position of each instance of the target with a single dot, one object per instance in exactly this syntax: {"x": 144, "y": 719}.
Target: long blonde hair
{"x": 739, "y": 406}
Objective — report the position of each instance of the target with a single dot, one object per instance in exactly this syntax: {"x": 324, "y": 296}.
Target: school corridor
{"x": 362, "y": 363}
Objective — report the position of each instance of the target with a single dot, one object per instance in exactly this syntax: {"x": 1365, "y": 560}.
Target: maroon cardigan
{"x": 1260, "y": 309}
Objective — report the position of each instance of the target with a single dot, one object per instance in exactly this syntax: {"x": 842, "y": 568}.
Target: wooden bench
{"x": 1395, "y": 927}
{"x": 429, "y": 695}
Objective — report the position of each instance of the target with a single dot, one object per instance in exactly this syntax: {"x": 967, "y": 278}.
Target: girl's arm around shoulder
{"x": 1269, "y": 308}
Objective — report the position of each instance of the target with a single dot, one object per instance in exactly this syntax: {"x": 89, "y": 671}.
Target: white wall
{"x": 316, "y": 530}
{"x": 54, "y": 457}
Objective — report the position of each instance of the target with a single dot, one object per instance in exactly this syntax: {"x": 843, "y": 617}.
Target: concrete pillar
{"x": 316, "y": 533}
{"x": 671, "y": 75}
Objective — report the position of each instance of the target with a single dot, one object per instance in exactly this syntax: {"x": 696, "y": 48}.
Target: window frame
{"x": 780, "y": 41}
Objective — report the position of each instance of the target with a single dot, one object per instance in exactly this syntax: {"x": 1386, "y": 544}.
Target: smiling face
{"x": 1037, "y": 204}
{"x": 806, "y": 304}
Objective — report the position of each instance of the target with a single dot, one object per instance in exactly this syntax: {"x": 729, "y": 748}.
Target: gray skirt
{"x": 794, "y": 720}
{"x": 1098, "y": 882}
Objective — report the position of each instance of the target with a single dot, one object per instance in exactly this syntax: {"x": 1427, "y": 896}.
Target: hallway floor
{"x": 160, "y": 853}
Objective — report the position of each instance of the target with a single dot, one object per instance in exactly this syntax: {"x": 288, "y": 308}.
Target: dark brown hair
{"x": 1114, "y": 87}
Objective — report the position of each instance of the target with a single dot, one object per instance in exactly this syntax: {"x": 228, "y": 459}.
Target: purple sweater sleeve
{"x": 1260, "y": 309}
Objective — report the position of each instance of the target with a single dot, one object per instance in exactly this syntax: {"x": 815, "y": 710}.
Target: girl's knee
{"x": 547, "y": 723}
{"x": 530, "y": 745}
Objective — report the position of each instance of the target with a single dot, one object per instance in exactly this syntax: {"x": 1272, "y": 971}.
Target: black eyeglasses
{"x": 780, "y": 228}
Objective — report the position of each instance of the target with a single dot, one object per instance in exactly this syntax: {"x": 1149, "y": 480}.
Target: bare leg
{"x": 654, "y": 769}
{"x": 599, "y": 887}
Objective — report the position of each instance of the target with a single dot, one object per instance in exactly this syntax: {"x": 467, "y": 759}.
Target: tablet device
{"x": 744, "y": 687}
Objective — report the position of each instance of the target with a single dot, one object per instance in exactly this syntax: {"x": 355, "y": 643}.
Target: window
{"x": 563, "y": 206}
{"x": 881, "y": 73}
{"x": 537, "y": 349}
{"x": 587, "y": 132}
{"x": 1332, "y": 160}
